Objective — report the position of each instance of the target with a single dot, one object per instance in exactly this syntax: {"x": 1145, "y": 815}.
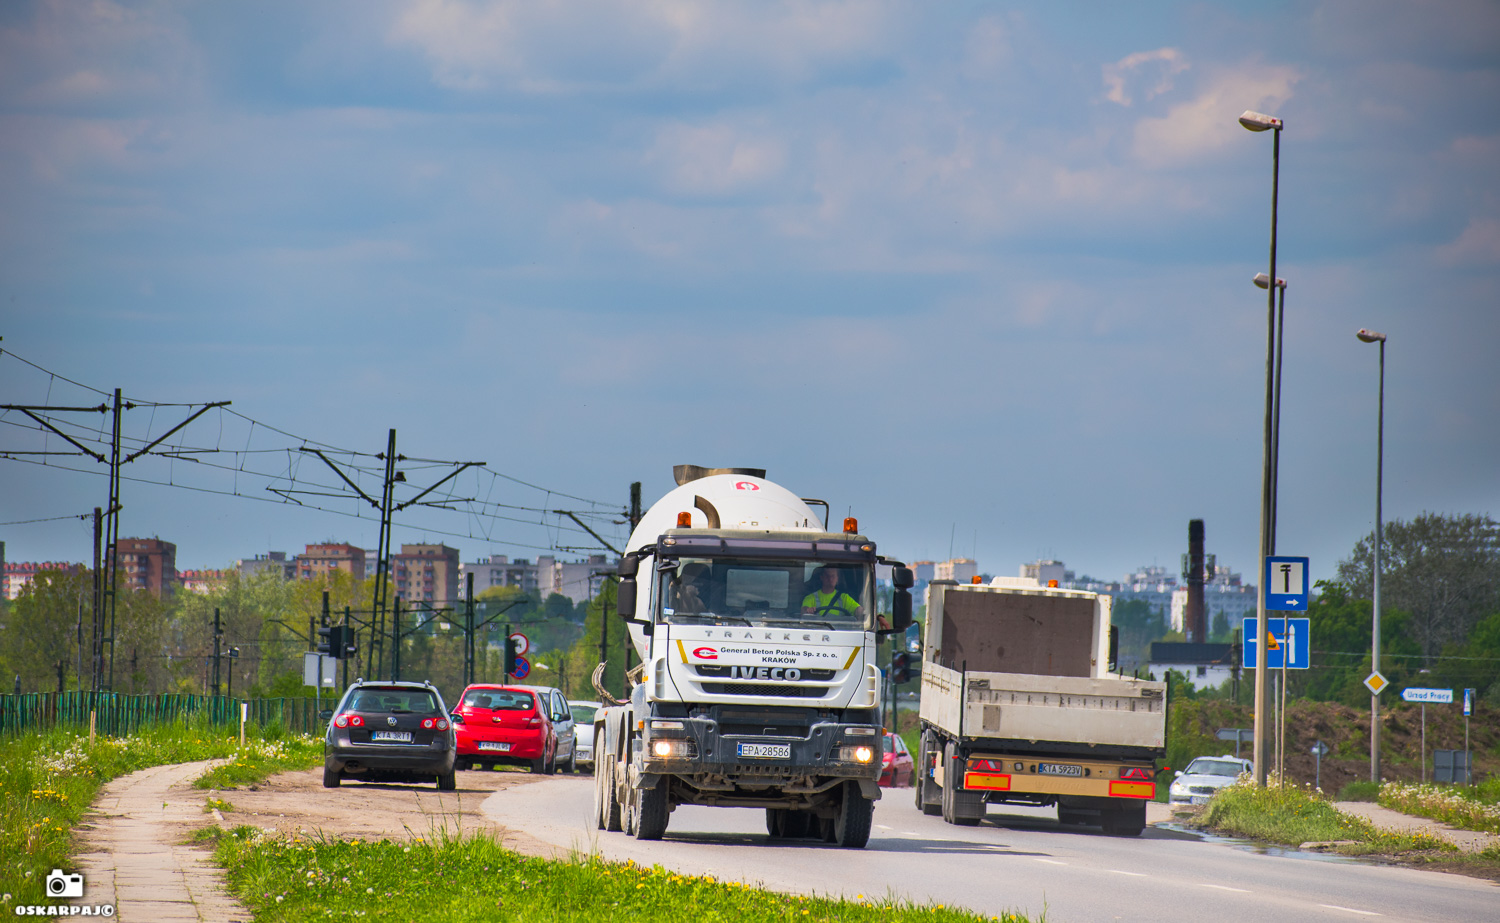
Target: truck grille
{"x": 817, "y": 676}
{"x": 784, "y": 692}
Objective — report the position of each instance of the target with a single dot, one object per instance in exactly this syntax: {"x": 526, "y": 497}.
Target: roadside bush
{"x": 1359, "y": 791}
{"x": 1455, "y": 806}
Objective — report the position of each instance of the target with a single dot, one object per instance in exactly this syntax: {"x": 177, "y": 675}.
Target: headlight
{"x": 856, "y": 754}
{"x": 671, "y": 749}
{"x": 1178, "y": 788}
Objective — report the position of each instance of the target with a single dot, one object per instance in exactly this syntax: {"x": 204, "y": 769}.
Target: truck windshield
{"x": 764, "y": 593}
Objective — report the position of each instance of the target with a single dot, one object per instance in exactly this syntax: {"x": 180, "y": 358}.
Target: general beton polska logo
{"x": 64, "y": 886}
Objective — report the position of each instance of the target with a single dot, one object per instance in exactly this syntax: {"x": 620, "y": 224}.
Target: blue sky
{"x": 978, "y": 273}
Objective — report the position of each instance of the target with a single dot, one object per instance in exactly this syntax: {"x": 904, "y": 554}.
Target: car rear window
{"x": 499, "y": 699}
{"x": 415, "y": 701}
{"x": 583, "y": 714}
{"x": 1216, "y": 768}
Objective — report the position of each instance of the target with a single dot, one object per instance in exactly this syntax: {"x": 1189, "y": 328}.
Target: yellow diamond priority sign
{"x": 1375, "y": 682}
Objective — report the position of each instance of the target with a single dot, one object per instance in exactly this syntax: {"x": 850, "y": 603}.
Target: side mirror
{"x": 457, "y": 718}
{"x": 629, "y": 565}
{"x": 900, "y": 612}
{"x": 625, "y": 597}
{"x": 902, "y": 578}
{"x": 1177, "y": 774}
{"x": 1114, "y": 647}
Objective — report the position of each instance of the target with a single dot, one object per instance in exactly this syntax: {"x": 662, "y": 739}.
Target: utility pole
{"x": 635, "y": 504}
{"x": 388, "y": 507}
{"x": 218, "y": 634}
{"x": 108, "y": 532}
{"x": 469, "y": 628}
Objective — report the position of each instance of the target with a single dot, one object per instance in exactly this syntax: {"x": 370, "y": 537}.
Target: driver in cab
{"x": 829, "y": 598}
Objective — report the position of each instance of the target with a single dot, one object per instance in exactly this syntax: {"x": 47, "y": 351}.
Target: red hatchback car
{"x": 504, "y": 725}
{"x": 897, "y": 766}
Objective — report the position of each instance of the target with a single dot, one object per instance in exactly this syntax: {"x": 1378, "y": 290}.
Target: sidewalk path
{"x": 1466, "y": 840}
{"x": 136, "y": 859}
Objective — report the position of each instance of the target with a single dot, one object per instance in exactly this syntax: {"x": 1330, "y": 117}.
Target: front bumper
{"x": 714, "y": 759}
{"x": 343, "y": 756}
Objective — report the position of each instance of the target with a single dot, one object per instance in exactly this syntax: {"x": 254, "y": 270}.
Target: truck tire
{"x": 929, "y": 793}
{"x": 774, "y": 822}
{"x": 1127, "y": 820}
{"x": 960, "y": 808}
{"x": 651, "y": 812}
{"x": 851, "y": 825}
{"x": 607, "y": 806}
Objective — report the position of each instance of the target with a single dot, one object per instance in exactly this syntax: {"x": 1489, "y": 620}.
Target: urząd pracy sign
{"x": 1428, "y": 696}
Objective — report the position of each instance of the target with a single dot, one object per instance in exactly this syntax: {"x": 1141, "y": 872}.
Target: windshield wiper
{"x": 799, "y": 623}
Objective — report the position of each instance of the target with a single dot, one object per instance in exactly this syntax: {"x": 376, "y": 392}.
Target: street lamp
{"x": 1261, "y": 281}
{"x": 1370, "y": 336}
{"x": 1256, "y": 121}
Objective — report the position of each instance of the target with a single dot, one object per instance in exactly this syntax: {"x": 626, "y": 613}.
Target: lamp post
{"x": 1370, "y": 336}
{"x": 1256, "y": 121}
{"x": 1261, "y": 281}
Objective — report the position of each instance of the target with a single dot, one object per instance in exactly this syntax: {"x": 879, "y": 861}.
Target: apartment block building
{"x": 426, "y": 573}
{"x": 19, "y": 574}
{"x": 499, "y": 570}
{"x": 320, "y": 560}
{"x": 148, "y": 564}
{"x": 274, "y": 562}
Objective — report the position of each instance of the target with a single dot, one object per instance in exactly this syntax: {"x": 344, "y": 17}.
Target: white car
{"x": 583, "y": 726}
{"x": 1204, "y": 777}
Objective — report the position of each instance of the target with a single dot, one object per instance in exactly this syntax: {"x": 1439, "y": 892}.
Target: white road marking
{"x": 1048, "y": 861}
{"x": 881, "y": 827}
{"x": 1226, "y": 888}
{"x": 1122, "y": 872}
{"x": 1365, "y": 913}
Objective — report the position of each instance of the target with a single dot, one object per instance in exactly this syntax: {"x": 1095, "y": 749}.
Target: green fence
{"x": 118, "y": 715}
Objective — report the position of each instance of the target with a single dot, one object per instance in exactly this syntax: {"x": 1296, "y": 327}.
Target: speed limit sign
{"x": 523, "y": 643}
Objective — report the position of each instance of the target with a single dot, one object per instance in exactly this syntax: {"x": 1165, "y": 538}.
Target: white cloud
{"x": 610, "y": 44}
{"x": 1207, "y": 122}
{"x": 1158, "y": 66}
{"x": 1479, "y": 244}
{"x": 715, "y": 159}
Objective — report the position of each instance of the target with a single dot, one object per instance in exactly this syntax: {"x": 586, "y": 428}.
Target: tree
{"x": 1442, "y": 570}
{"x": 1140, "y": 623}
{"x": 42, "y": 629}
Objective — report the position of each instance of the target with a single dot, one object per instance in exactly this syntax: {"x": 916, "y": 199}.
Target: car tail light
{"x": 442, "y": 724}
{"x": 357, "y": 721}
{"x": 344, "y": 721}
{"x": 534, "y": 722}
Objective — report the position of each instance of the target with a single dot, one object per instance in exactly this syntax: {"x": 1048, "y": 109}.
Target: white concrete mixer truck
{"x": 758, "y": 685}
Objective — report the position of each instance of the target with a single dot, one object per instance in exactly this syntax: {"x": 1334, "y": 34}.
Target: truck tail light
{"x": 1138, "y": 773}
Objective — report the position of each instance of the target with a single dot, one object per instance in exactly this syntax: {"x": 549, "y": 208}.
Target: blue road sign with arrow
{"x": 1292, "y": 636}
{"x": 1286, "y": 584}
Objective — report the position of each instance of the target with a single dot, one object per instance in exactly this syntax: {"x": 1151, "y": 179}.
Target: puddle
{"x": 1264, "y": 849}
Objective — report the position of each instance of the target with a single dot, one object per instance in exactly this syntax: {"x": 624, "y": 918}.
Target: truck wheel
{"x": 961, "y": 808}
{"x": 776, "y": 822}
{"x": 607, "y": 806}
{"x": 330, "y": 778}
{"x": 851, "y": 826}
{"x": 651, "y": 812}
{"x": 796, "y": 824}
{"x": 1129, "y": 820}
{"x": 929, "y": 793}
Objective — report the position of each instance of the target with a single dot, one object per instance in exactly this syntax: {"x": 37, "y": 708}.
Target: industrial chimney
{"x": 1195, "y": 619}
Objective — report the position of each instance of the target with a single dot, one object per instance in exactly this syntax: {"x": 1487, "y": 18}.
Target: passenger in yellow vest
{"x": 830, "y": 600}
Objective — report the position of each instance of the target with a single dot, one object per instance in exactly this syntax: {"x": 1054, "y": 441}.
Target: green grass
{"x": 49, "y": 780}
{"x": 473, "y": 878}
{"x": 1359, "y": 791}
{"x": 1465, "y": 807}
{"x": 1291, "y": 815}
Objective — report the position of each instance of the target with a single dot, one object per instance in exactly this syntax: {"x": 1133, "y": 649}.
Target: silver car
{"x": 583, "y": 727}
{"x": 1204, "y": 777}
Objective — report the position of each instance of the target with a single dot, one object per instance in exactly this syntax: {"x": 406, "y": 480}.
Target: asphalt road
{"x": 1018, "y": 859}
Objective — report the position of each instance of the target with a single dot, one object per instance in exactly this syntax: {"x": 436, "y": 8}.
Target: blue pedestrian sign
{"x": 1468, "y": 702}
{"x": 1291, "y": 636}
{"x": 1286, "y": 584}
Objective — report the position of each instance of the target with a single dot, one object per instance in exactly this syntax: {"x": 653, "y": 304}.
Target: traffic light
{"x": 337, "y": 641}
{"x": 512, "y": 651}
{"x": 901, "y": 667}
{"x": 348, "y": 646}
{"x": 326, "y": 642}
